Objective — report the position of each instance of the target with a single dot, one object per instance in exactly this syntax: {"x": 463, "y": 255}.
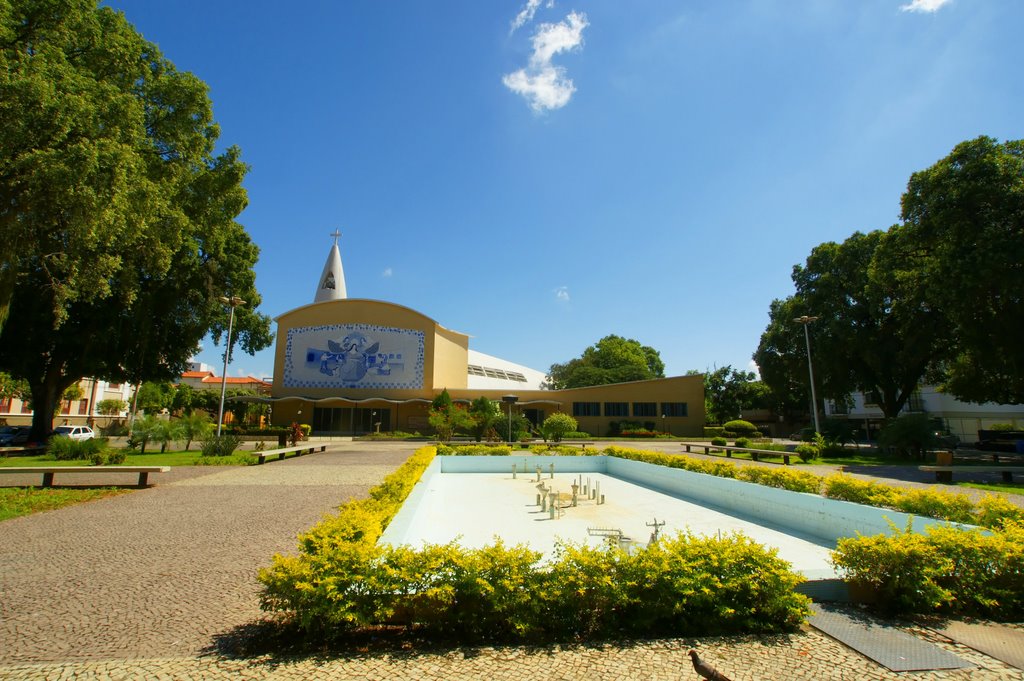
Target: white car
{"x": 74, "y": 432}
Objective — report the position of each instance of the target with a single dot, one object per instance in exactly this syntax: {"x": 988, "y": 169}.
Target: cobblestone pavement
{"x": 159, "y": 571}
{"x": 140, "y": 586}
{"x": 809, "y": 655}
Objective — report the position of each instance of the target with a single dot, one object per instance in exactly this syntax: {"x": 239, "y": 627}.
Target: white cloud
{"x": 924, "y": 5}
{"x": 387, "y": 272}
{"x": 752, "y": 366}
{"x": 562, "y": 294}
{"x": 525, "y": 15}
{"x": 541, "y": 83}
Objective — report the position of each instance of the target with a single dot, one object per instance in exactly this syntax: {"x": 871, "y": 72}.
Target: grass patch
{"x": 178, "y": 458}
{"x": 862, "y": 458}
{"x": 19, "y": 501}
{"x": 1008, "y": 487}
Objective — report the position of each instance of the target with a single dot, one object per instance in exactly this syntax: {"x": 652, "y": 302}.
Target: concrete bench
{"x": 49, "y": 471}
{"x": 945, "y": 473}
{"x": 282, "y": 452}
{"x": 569, "y": 443}
{"x": 755, "y": 454}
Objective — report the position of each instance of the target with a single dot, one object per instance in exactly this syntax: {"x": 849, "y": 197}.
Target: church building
{"x": 344, "y": 365}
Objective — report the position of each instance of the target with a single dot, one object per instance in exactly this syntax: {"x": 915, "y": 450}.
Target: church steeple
{"x": 332, "y": 282}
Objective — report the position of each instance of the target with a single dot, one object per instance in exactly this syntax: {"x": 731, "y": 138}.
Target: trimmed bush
{"x": 740, "y": 428}
{"x": 473, "y": 450}
{"x": 342, "y": 580}
{"x": 783, "y": 478}
{"x": 806, "y": 452}
{"x": 719, "y": 441}
{"x": 557, "y": 425}
{"x": 577, "y": 435}
{"x": 743, "y": 442}
{"x": 714, "y": 431}
{"x": 948, "y": 570}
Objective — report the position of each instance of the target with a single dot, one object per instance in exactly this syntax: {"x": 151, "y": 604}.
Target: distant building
{"x": 963, "y": 419}
{"x": 81, "y": 411}
{"x": 207, "y": 380}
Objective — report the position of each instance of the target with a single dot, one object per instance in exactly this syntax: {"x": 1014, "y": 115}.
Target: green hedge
{"x": 990, "y": 511}
{"x": 714, "y": 431}
{"x": 342, "y": 581}
{"x": 945, "y": 570}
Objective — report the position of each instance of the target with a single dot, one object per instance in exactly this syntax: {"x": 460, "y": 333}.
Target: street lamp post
{"x": 232, "y": 302}
{"x": 510, "y": 400}
{"x": 805, "y": 320}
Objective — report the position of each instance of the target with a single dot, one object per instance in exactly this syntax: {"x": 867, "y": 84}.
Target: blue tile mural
{"x": 354, "y": 356}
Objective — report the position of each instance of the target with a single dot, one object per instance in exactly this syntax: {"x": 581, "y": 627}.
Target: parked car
{"x": 74, "y": 432}
{"x": 14, "y": 435}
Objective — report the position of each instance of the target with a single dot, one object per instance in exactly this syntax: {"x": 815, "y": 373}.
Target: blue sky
{"x": 539, "y": 175}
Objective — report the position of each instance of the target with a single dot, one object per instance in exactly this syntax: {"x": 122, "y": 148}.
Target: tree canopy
{"x": 117, "y": 226}
{"x": 962, "y": 251}
{"x": 937, "y": 298}
{"x": 861, "y": 341}
{"x": 612, "y": 359}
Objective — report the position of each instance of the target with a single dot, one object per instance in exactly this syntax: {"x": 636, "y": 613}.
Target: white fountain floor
{"x": 474, "y": 508}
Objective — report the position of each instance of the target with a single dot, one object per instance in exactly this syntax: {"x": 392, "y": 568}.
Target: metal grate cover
{"x": 886, "y": 645}
{"x": 995, "y": 640}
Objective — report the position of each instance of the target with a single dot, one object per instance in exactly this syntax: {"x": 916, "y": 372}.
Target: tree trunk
{"x": 46, "y": 396}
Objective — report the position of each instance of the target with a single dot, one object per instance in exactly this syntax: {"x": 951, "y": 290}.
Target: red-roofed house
{"x": 206, "y": 380}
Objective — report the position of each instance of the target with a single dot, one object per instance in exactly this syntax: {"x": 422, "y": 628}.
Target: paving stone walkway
{"x": 141, "y": 586}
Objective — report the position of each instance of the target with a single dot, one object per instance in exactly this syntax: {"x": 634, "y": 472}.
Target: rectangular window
{"x": 83, "y": 406}
{"x": 5, "y": 404}
{"x": 113, "y": 386}
{"x": 645, "y": 409}
{"x": 26, "y": 408}
{"x": 673, "y": 408}
{"x": 586, "y": 408}
{"x": 616, "y": 408}
{"x": 65, "y": 407}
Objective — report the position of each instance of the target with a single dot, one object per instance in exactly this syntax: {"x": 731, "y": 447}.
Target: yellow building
{"x": 343, "y": 365}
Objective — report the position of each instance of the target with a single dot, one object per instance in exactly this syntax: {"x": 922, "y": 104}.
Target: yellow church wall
{"x": 451, "y": 357}
{"x": 442, "y": 348}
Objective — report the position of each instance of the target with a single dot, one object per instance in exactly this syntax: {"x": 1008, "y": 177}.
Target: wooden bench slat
{"x": 281, "y": 452}
{"x": 49, "y": 471}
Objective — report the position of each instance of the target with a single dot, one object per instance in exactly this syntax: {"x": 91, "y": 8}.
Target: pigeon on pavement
{"x": 705, "y": 670}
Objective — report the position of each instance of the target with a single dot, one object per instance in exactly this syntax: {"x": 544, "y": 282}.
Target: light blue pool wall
{"x": 828, "y": 520}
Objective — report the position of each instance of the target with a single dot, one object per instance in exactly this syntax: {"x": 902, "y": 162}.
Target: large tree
{"x": 117, "y": 218}
{"x": 612, "y": 359}
{"x": 962, "y": 252}
{"x": 872, "y": 334}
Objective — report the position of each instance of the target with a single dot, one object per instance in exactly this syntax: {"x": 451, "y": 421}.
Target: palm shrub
{"x": 145, "y": 430}
{"x": 194, "y": 426}
{"x": 167, "y": 432}
{"x": 220, "y": 445}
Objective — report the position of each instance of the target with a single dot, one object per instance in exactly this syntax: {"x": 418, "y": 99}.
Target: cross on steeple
{"x": 336, "y": 234}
